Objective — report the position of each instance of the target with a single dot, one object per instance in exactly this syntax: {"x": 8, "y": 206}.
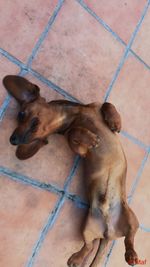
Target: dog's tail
{"x": 101, "y": 248}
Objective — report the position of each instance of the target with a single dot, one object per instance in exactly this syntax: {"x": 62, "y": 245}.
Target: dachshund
{"x": 91, "y": 131}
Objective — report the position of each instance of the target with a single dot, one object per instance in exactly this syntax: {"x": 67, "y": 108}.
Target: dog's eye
{"x": 21, "y": 116}
{"x": 34, "y": 124}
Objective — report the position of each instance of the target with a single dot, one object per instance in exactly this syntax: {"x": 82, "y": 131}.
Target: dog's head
{"x": 36, "y": 119}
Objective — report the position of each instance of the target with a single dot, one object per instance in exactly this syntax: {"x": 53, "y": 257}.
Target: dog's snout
{"x": 14, "y": 139}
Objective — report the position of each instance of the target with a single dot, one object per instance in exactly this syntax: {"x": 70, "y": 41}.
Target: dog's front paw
{"x": 131, "y": 257}
{"x": 114, "y": 125}
{"x": 95, "y": 141}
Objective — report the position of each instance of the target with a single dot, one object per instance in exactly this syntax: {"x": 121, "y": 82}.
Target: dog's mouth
{"x": 21, "y": 139}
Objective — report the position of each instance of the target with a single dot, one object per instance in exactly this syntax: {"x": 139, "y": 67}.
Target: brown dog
{"x": 87, "y": 128}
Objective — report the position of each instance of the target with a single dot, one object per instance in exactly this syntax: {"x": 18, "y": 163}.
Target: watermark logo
{"x": 140, "y": 262}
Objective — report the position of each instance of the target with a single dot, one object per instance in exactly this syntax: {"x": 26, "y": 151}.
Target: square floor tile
{"x": 141, "y": 42}
{"x": 23, "y": 212}
{"x": 134, "y": 155}
{"x": 142, "y": 243}
{"x": 20, "y": 31}
{"x": 141, "y": 198}
{"x": 52, "y": 164}
{"x": 6, "y": 67}
{"x": 130, "y": 94}
{"x": 121, "y": 16}
{"x": 78, "y": 54}
{"x": 65, "y": 237}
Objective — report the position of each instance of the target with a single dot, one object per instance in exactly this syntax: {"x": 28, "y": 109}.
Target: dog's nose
{"x": 14, "y": 140}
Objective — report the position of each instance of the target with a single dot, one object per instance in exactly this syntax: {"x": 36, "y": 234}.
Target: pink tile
{"x": 23, "y": 212}
{"x": 131, "y": 96}
{"x": 121, "y": 16}
{"x": 78, "y": 54}
{"x": 141, "y": 246}
{"x": 65, "y": 237}
{"x": 141, "y": 198}
{"x": 77, "y": 185}
{"x": 134, "y": 155}
{"x": 19, "y": 35}
{"x": 6, "y": 67}
{"x": 52, "y": 164}
{"x": 141, "y": 43}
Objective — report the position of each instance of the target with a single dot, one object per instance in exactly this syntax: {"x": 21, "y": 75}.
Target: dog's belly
{"x": 105, "y": 179}
{"x": 112, "y": 219}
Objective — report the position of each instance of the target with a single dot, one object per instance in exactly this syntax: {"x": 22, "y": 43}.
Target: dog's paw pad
{"x": 95, "y": 142}
{"x": 131, "y": 257}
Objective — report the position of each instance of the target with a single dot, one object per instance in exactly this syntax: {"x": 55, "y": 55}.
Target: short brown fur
{"x": 91, "y": 133}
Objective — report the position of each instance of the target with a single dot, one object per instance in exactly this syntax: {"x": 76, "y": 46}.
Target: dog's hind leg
{"x": 130, "y": 254}
{"x": 77, "y": 258}
{"x": 101, "y": 249}
{"x": 93, "y": 230}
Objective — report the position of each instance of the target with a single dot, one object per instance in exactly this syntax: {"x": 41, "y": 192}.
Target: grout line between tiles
{"x": 53, "y": 86}
{"x": 101, "y": 21}
{"x": 4, "y": 106}
{"x": 138, "y": 177}
{"x": 45, "y": 32}
{"x": 48, "y": 225}
{"x": 72, "y": 172}
{"x": 109, "y": 253}
{"x": 127, "y": 49}
{"x": 23, "y": 72}
{"x": 59, "y": 90}
{"x": 29, "y": 181}
{"x": 108, "y": 28}
{"x": 11, "y": 58}
{"x": 17, "y": 177}
{"x": 132, "y": 191}
{"x": 24, "y": 67}
{"x": 144, "y": 228}
{"x": 53, "y": 215}
{"x": 139, "y": 59}
{"x": 134, "y": 140}
{"x": 60, "y": 202}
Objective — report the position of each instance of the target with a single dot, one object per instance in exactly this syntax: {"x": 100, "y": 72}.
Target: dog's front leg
{"x": 111, "y": 117}
{"x": 81, "y": 140}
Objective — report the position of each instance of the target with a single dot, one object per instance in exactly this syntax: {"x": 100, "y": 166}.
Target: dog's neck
{"x": 64, "y": 115}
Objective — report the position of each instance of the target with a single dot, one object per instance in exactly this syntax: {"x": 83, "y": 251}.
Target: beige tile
{"x": 6, "y": 67}
{"x": 141, "y": 43}
{"x": 78, "y": 54}
{"x": 19, "y": 33}
{"x": 23, "y": 212}
{"x": 121, "y": 16}
{"x": 65, "y": 238}
{"x": 141, "y": 198}
{"x": 131, "y": 96}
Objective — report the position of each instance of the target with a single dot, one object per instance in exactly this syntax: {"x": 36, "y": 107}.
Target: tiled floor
{"x": 79, "y": 50}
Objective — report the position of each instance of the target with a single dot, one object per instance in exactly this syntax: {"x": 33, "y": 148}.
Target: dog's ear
{"x": 28, "y": 150}
{"x": 21, "y": 89}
